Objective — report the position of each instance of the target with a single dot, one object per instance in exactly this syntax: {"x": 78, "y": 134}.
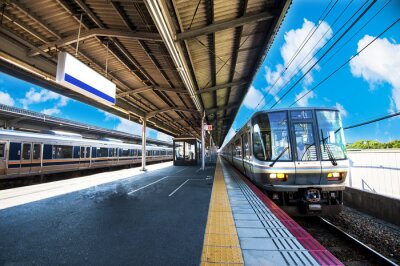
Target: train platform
{"x": 169, "y": 215}
{"x": 125, "y": 217}
{"x": 245, "y": 227}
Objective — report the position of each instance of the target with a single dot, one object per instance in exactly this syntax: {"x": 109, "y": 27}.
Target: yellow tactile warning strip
{"x": 221, "y": 243}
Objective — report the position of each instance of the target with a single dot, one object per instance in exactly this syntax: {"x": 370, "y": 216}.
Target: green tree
{"x": 373, "y": 144}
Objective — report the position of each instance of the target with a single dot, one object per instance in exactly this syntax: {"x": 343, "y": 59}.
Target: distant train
{"x": 297, "y": 156}
{"x": 24, "y": 154}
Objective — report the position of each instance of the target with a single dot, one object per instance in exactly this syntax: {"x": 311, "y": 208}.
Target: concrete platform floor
{"x": 151, "y": 218}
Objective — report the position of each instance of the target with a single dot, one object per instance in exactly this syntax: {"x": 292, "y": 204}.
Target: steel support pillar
{"x": 144, "y": 121}
{"x": 203, "y": 145}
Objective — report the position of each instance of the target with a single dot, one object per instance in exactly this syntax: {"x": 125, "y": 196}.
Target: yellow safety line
{"x": 221, "y": 244}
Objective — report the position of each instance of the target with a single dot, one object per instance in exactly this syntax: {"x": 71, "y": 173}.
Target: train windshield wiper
{"x": 305, "y": 152}
{"x": 279, "y": 156}
{"x": 328, "y": 150}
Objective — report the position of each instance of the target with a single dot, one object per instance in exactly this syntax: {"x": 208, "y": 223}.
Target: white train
{"x": 298, "y": 156}
{"x": 23, "y": 153}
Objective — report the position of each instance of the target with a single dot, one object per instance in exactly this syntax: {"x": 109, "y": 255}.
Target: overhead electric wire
{"x": 373, "y": 120}
{"x": 345, "y": 63}
{"x": 321, "y": 19}
{"x": 301, "y": 68}
{"x": 325, "y": 53}
{"x": 355, "y": 34}
{"x": 320, "y": 39}
{"x": 308, "y": 40}
{"x": 313, "y": 30}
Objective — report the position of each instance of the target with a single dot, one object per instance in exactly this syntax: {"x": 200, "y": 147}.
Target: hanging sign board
{"x": 208, "y": 127}
{"x": 78, "y": 77}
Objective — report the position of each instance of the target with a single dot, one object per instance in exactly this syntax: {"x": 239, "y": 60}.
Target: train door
{"x": 115, "y": 155}
{"x": 247, "y": 165}
{"x": 36, "y": 158}
{"x": 26, "y": 158}
{"x": 3, "y": 162}
{"x": 308, "y": 166}
{"x": 84, "y": 159}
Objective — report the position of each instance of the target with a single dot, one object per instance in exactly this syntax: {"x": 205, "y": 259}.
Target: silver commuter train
{"x": 24, "y": 153}
{"x": 297, "y": 156}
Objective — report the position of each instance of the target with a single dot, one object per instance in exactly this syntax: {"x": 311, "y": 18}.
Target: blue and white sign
{"x": 78, "y": 77}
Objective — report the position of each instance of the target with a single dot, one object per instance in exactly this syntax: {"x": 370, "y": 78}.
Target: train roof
{"x": 296, "y": 109}
{"x": 5, "y": 132}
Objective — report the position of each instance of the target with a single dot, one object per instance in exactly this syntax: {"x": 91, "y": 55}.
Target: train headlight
{"x": 278, "y": 175}
{"x": 335, "y": 176}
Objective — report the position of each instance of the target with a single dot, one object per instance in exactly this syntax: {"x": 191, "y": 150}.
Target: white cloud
{"x": 130, "y": 127}
{"x": 127, "y": 126}
{"x": 253, "y": 98}
{"x": 6, "y": 99}
{"x": 38, "y": 96}
{"x": 304, "y": 100}
{"x": 34, "y": 96}
{"x": 377, "y": 64}
{"x": 51, "y": 111}
{"x": 342, "y": 110}
{"x": 108, "y": 116}
{"x": 293, "y": 40}
{"x": 63, "y": 101}
{"x": 164, "y": 137}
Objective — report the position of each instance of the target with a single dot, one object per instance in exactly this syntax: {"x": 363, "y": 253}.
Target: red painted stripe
{"x": 319, "y": 252}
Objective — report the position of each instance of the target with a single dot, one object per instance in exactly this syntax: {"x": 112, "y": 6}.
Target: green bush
{"x": 373, "y": 144}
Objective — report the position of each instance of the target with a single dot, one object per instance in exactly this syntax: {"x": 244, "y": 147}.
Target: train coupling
{"x": 310, "y": 201}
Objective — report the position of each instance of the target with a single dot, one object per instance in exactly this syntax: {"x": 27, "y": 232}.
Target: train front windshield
{"x": 272, "y": 141}
{"x": 331, "y": 135}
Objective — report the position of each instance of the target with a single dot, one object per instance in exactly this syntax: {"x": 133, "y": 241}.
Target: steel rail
{"x": 379, "y": 257}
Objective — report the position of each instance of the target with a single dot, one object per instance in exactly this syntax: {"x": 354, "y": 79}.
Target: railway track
{"x": 345, "y": 247}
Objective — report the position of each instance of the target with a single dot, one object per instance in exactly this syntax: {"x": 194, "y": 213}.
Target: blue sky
{"x": 366, "y": 88}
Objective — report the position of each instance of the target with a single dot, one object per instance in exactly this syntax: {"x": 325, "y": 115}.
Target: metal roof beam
{"x": 223, "y": 25}
{"x": 95, "y": 33}
{"x": 158, "y": 88}
{"x": 216, "y": 109}
{"x": 32, "y": 16}
{"x": 146, "y": 88}
{"x": 135, "y": 91}
{"x": 175, "y": 109}
{"x": 226, "y": 85}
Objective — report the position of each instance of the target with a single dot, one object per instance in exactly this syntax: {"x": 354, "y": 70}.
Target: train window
{"x": 246, "y": 152}
{"x": 238, "y": 148}
{"x": 102, "y": 152}
{"x": 271, "y": 137}
{"x": 36, "y": 151}
{"x": 124, "y": 152}
{"x": 139, "y": 152}
{"x": 331, "y": 135}
{"x": 87, "y": 152}
{"x": 2, "y": 150}
{"x": 305, "y": 142}
{"x": 82, "y": 152}
{"x": 62, "y": 152}
{"x": 26, "y": 151}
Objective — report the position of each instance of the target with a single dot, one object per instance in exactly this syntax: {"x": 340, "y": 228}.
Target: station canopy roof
{"x": 172, "y": 60}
